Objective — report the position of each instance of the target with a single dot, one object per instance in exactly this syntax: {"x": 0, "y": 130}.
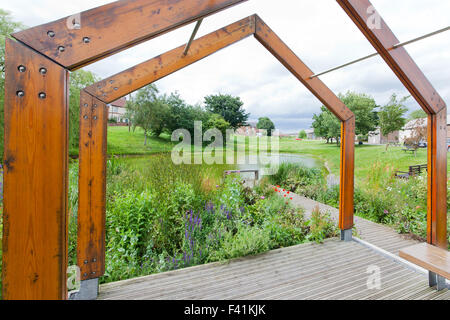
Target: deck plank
{"x": 333, "y": 270}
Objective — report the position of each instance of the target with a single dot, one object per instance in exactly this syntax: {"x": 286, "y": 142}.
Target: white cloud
{"x": 319, "y": 32}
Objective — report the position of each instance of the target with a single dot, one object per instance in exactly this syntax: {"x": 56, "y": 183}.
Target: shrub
{"x": 247, "y": 241}
{"x": 321, "y": 226}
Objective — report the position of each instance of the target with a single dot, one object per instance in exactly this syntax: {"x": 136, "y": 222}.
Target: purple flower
{"x": 262, "y": 198}
{"x": 386, "y": 212}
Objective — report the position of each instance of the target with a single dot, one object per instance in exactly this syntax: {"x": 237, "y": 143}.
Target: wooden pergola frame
{"x": 36, "y": 126}
{"x": 93, "y": 127}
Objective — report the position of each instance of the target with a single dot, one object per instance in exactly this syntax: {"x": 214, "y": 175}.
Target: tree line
{"x": 369, "y": 116}
{"x": 159, "y": 113}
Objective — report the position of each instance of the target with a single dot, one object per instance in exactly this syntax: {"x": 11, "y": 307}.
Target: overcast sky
{"x": 318, "y": 31}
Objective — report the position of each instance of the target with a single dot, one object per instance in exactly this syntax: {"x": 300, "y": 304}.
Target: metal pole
{"x": 401, "y": 44}
{"x": 188, "y": 45}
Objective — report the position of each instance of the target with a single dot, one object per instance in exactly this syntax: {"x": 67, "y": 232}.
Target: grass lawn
{"x": 122, "y": 142}
{"x": 366, "y": 157}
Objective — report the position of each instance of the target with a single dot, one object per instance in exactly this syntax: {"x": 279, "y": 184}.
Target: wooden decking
{"x": 376, "y": 234}
{"x": 333, "y": 270}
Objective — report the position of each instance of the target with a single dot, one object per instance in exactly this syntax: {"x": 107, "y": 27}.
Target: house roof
{"x": 119, "y": 102}
{"x": 415, "y": 123}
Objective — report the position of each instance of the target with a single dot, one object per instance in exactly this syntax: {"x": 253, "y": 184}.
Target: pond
{"x": 252, "y": 162}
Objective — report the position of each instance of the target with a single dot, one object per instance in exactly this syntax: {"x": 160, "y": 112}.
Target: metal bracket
{"x": 347, "y": 235}
{"x": 88, "y": 290}
{"x": 436, "y": 280}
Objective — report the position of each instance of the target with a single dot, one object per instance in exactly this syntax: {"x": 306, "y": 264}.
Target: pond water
{"x": 265, "y": 164}
{"x": 253, "y": 162}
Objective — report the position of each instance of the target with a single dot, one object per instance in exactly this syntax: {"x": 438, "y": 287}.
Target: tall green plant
{"x": 79, "y": 80}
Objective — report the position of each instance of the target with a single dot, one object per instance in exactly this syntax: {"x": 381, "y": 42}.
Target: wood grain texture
{"x": 437, "y": 179}
{"x": 92, "y": 187}
{"x": 36, "y": 166}
{"x": 114, "y": 27}
{"x": 134, "y": 78}
{"x": 428, "y": 257}
{"x": 296, "y": 66}
{"x": 288, "y": 58}
{"x": 347, "y": 169}
{"x": 383, "y": 40}
{"x": 332, "y": 270}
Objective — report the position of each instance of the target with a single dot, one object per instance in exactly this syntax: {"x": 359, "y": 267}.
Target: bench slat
{"x": 428, "y": 257}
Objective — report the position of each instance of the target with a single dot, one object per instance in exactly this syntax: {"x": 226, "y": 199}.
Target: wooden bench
{"x": 413, "y": 171}
{"x": 409, "y": 149}
{"x": 432, "y": 258}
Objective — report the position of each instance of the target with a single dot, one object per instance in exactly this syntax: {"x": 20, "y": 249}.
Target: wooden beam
{"x": 35, "y": 176}
{"x": 288, "y": 58}
{"x": 123, "y": 83}
{"x": 346, "y": 205}
{"x": 296, "y": 66}
{"x": 111, "y": 28}
{"x": 92, "y": 187}
{"x": 383, "y": 39}
{"x": 437, "y": 179}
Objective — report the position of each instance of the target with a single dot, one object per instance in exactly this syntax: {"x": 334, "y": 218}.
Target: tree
{"x": 148, "y": 111}
{"x": 7, "y": 26}
{"x": 419, "y": 134}
{"x": 79, "y": 80}
{"x": 266, "y": 124}
{"x": 216, "y": 121}
{"x": 302, "y": 135}
{"x": 362, "y": 105}
{"x": 417, "y": 114}
{"x": 326, "y": 125}
{"x": 392, "y": 116}
{"x": 333, "y": 126}
{"x": 181, "y": 115}
{"x": 229, "y": 107}
{"x": 319, "y": 126}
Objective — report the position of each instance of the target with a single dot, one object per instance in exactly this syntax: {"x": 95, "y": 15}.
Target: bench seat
{"x": 432, "y": 258}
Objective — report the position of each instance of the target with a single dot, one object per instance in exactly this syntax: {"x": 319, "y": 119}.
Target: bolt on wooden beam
{"x": 36, "y": 176}
{"x": 92, "y": 35}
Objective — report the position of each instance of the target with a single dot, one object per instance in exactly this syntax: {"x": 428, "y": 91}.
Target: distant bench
{"x": 432, "y": 258}
{"x": 256, "y": 171}
{"x": 409, "y": 149}
{"x": 413, "y": 171}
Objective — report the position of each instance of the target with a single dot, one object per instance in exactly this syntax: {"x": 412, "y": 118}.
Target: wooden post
{"x": 92, "y": 187}
{"x": 385, "y": 42}
{"x": 437, "y": 179}
{"x": 346, "y": 207}
{"x": 288, "y": 58}
{"x": 36, "y": 131}
{"x": 36, "y": 175}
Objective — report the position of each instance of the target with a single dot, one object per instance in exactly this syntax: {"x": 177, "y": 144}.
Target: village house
{"x": 249, "y": 130}
{"x": 400, "y": 136}
{"x": 117, "y": 111}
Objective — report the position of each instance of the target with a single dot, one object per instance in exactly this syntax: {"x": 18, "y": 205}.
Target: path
{"x": 379, "y": 235}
